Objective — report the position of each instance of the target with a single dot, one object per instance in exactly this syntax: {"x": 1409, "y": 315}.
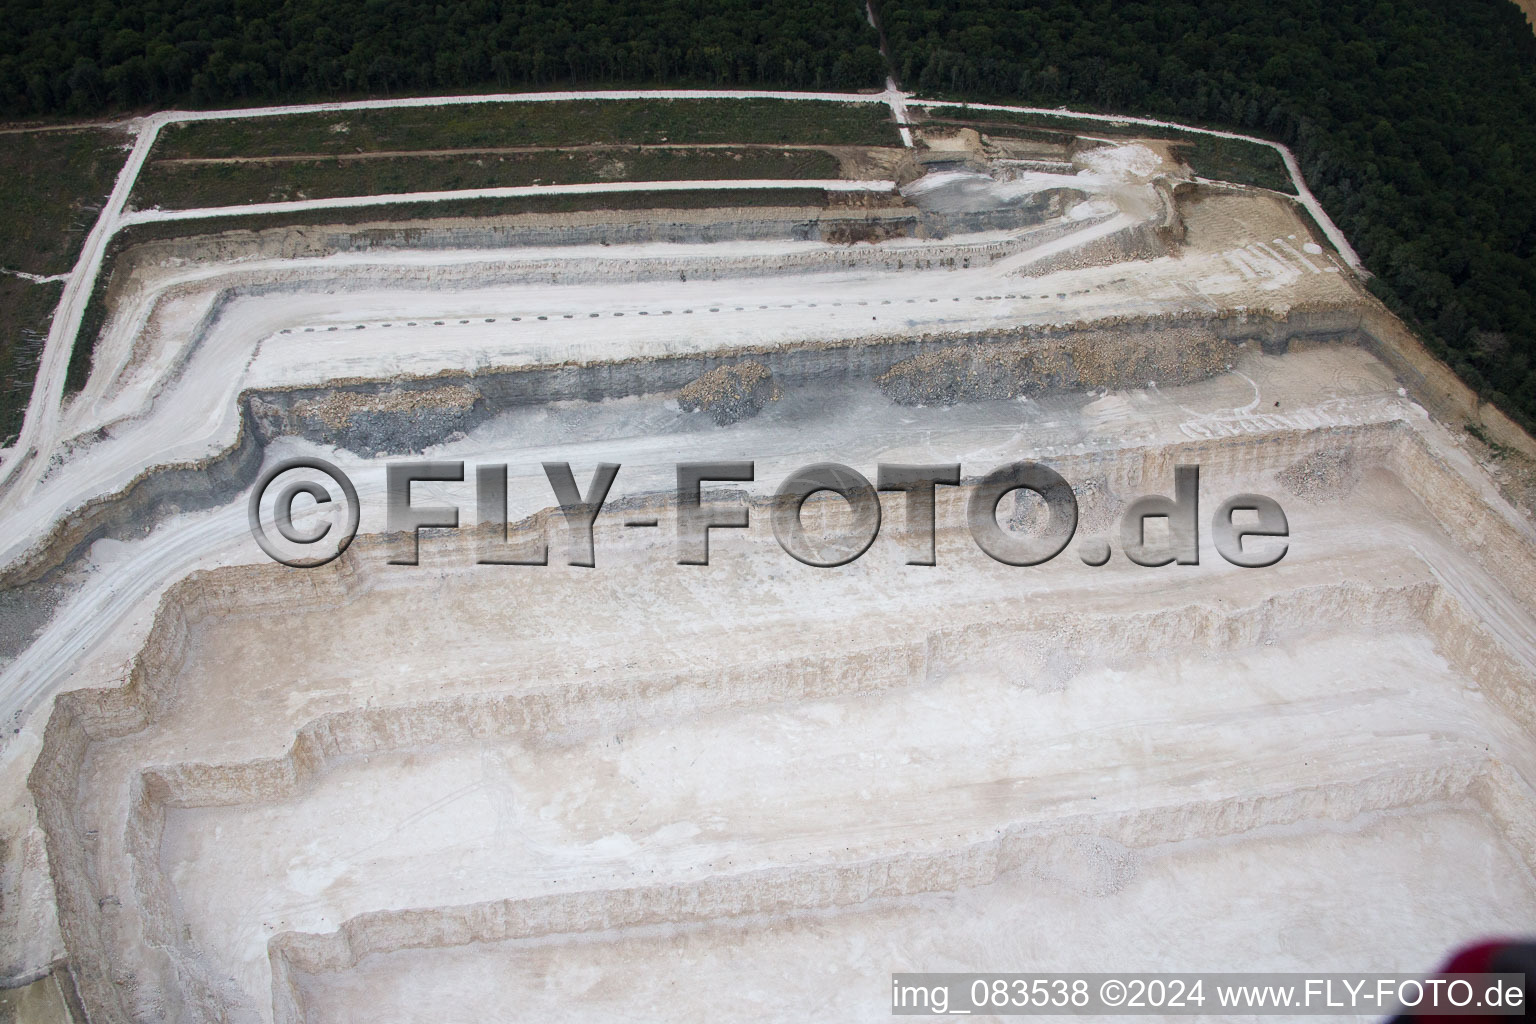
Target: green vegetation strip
{"x": 1246, "y": 163}
{"x": 52, "y": 184}
{"x": 26, "y": 310}
{"x": 1235, "y": 160}
{"x": 177, "y": 186}
{"x": 555, "y": 123}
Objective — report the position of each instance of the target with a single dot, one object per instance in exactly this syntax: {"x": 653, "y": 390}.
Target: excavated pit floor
{"x": 654, "y": 791}
{"x": 1430, "y": 877}
{"x": 807, "y": 778}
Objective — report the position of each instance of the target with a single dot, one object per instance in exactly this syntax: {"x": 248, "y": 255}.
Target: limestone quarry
{"x": 233, "y": 790}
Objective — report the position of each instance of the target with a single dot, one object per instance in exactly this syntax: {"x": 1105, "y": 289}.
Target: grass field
{"x": 560, "y": 123}
{"x": 52, "y": 185}
{"x": 1234, "y": 160}
{"x": 26, "y": 309}
{"x": 561, "y": 126}
{"x": 190, "y": 186}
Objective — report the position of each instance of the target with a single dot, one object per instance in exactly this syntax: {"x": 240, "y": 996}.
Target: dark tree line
{"x": 1413, "y": 120}
{"x": 73, "y": 57}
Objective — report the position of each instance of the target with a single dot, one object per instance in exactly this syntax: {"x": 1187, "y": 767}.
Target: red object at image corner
{"x": 1496, "y": 956}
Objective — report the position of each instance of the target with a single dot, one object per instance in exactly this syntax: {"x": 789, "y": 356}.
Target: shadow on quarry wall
{"x": 836, "y": 224}
{"x": 402, "y": 416}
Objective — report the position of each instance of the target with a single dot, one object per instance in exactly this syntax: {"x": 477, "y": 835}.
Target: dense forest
{"x": 1414, "y": 120}
{"x": 73, "y": 57}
